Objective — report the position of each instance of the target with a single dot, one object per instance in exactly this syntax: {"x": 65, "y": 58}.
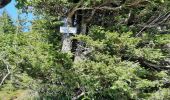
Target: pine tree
{"x": 6, "y": 24}
{"x": 123, "y": 49}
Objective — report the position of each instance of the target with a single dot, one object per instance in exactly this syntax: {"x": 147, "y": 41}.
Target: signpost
{"x": 66, "y": 30}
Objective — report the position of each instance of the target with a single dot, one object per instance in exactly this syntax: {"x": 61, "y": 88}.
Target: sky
{"x": 13, "y": 12}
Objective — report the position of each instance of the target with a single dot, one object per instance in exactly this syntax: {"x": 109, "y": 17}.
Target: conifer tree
{"x": 123, "y": 46}
{"x": 6, "y": 24}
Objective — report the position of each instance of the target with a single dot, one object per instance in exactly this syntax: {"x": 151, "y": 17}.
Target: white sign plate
{"x": 68, "y": 30}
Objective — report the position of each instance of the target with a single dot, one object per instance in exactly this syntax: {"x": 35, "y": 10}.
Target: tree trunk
{"x": 80, "y": 45}
{"x": 66, "y": 47}
{"x": 66, "y": 39}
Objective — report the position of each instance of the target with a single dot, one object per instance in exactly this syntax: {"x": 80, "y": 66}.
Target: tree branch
{"x": 77, "y": 97}
{"x": 70, "y": 15}
{"x": 156, "y": 22}
{"x": 76, "y": 8}
{"x": 145, "y": 63}
{"x": 8, "y": 72}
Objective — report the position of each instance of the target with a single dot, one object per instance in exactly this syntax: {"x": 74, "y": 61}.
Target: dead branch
{"x": 146, "y": 64}
{"x": 8, "y": 72}
{"x": 77, "y": 97}
{"x": 165, "y": 18}
{"x": 157, "y": 21}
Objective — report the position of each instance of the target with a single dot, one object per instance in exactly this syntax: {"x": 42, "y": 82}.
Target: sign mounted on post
{"x": 67, "y": 29}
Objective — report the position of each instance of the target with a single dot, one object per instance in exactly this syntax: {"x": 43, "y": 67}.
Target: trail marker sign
{"x": 67, "y": 29}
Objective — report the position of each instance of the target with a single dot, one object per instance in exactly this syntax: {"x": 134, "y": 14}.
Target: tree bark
{"x": 66, "y": 39}
{"x": 67, "y": 45}
{"x": 80, "y": 45}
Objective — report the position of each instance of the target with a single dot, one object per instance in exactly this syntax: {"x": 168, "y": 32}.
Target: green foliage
{"x": 116, "y": 68}
{"x": 6, "y": 24}
{"x": 105, "y": 76}
{"x": 29, "y": 56}
{"x": 162, "y": 39}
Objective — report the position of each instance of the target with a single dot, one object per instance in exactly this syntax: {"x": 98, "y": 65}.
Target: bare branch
{"x": 146, "y": 63}
{"x": 8, "y": 72}
{"x": 159, "y": 20}
{"x": 77, "y": 97}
